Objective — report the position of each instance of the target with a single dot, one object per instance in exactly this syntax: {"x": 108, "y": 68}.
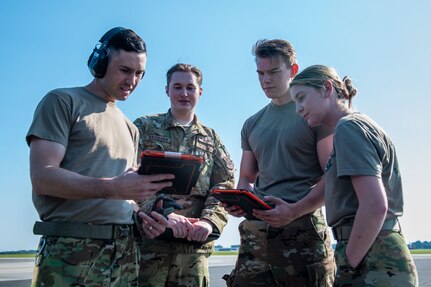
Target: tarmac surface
{"x": 17, "y": 272}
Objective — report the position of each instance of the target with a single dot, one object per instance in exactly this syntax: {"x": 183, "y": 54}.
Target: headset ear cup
{"x": 102, "y": 63}
{"x": 98, "y": 62}
{"x": 91, "y": 62}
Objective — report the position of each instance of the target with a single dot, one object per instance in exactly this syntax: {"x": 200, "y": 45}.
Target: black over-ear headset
{"x": 98, "y": 61}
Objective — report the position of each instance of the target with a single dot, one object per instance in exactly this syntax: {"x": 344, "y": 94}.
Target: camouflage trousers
{"x": 65, "y": 261}
{"x": 168, "y": 263}
{"x": 300, "y": 254}
{"x": 387, "y": 263}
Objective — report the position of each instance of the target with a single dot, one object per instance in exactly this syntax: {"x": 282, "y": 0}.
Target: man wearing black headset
{"x": 83, "y": 171}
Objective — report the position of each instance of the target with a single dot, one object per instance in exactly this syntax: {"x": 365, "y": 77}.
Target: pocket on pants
{"x": 321, "y": 273}
{"x": 346, "y": 275}
{"x": 78, "y": 258}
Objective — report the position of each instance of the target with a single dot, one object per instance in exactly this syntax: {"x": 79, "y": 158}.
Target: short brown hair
{"x": 275, "y": 49}
{"x": 180, "y": 67}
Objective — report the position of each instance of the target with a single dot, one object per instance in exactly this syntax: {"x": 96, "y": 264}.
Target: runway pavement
{"x": 16, "y": 272}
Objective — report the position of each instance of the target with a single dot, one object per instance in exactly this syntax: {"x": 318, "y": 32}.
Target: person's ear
{"x": 294, "y": 68}
{"x": 167, "y": 90}
{"x": 328, "y": 87}
{"x": 200, "y": 91}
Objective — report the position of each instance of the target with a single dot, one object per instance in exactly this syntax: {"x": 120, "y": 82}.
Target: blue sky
{"x": 384, "y": 46}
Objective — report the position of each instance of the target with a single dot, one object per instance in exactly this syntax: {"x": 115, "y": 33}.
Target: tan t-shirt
{"x": 285, "y": 149}
{"x": 361, "y": 147}
{"x": 100, "y": 142}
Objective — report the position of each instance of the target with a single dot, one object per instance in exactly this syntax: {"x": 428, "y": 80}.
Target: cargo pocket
{"x": 83, "y": 257}
{"x": 346, "y": 275}
{"x": 321, "y": 274}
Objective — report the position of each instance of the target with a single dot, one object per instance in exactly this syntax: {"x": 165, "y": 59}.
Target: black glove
{"x": 160, "y": 204}
{"x": 165, "y": 205}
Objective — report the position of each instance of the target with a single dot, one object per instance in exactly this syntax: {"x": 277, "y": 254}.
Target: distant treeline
{"x": 19, "y": 252}
{"x": 420, "y": 245}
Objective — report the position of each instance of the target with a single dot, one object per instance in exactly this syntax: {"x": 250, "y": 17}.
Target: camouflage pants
{"x": 165, "y": 263}
{"x": 65, "y": 261}
{"x": 300, "y": 254}
{"x": 387, "y": 263}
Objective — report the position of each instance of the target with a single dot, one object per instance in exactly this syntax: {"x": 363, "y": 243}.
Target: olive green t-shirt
{"x": 285, "y": 150}
{"x": 100, "y": 142}
{"x": 361, "y": 148}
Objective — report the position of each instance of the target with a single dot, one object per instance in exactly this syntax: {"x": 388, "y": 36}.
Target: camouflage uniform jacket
{"x": 161, "y": 132}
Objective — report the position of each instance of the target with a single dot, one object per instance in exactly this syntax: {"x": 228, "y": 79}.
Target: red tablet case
{"x": 243, "y": 198}
{"x": 185, "y": 167}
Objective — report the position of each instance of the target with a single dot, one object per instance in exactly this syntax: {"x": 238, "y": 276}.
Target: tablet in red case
{"x": 242, "y": 198}
{"x": 185, "y": 167}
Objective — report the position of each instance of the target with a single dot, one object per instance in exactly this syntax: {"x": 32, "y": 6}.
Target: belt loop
{"x": 397, "y": 222}
{"x": 122, "y": 231}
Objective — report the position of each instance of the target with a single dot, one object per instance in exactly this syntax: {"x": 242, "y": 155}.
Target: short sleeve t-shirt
{"x": 361, "y": 148}
{"x": 100, "y": 142}
{"x": 285, "y": 150}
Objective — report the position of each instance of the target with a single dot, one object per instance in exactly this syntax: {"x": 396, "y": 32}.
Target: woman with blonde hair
{"x": 363, "y": 193}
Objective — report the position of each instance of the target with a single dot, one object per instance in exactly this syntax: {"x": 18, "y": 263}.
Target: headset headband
{"x": 108, "y": 35}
